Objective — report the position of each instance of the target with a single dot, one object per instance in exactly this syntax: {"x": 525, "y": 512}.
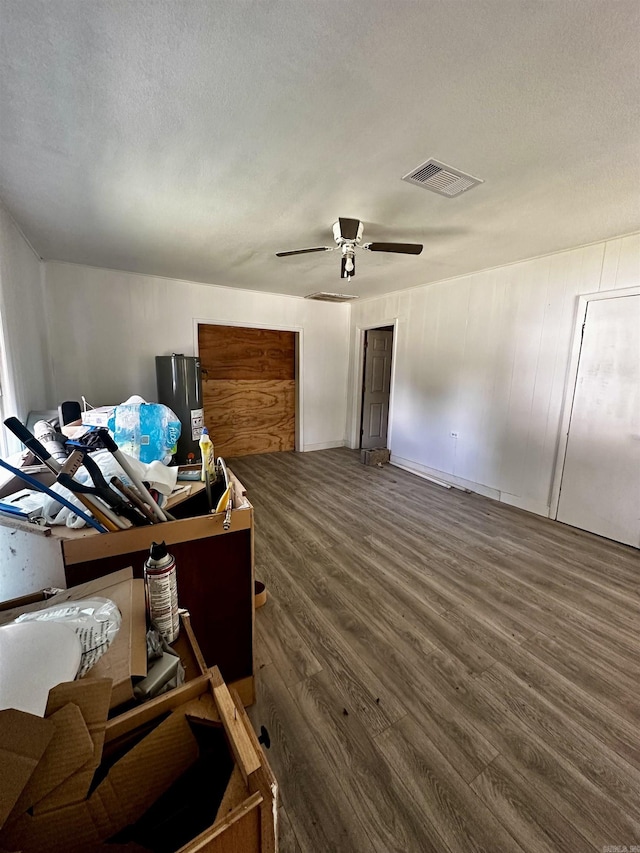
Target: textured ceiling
{"x": 195, "y": 138}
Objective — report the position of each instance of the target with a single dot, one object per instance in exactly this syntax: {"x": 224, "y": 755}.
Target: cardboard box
{"x": 127, "y": 655}
{"x": 98, "y": 417}
{"x": 148, "y": 761}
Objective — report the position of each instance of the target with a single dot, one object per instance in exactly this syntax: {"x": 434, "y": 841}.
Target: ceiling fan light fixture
{"x": 348, "y": 235}
{"x": 348, "y": 267}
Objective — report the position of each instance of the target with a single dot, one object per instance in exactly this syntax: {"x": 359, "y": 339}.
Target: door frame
{"x": 299, "y": 372}
{"x": 358, "y": 373}
{"x": 571, "y": 381}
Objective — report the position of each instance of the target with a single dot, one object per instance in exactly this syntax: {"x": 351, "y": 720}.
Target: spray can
{"x": 162, "y": 591}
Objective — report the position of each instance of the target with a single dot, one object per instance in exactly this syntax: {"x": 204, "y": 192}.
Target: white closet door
{"x": 600, "y": 489}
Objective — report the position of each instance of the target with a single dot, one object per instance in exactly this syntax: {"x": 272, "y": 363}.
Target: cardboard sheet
{"x": 130, "y": 788}
{"x": 23, "y": 741}
{"x": 92, "y": 699}
{"x": 69, "y": 749}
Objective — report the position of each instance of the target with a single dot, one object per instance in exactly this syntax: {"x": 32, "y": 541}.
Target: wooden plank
{"x": 238, "y": 832}
{"x": 462, "y": 820}
{"x": 236, "y": 352}
{"x": 604, "y": 768}
{"x": 120, "y": 725}
{"x": 530, "y": 818}
{"x": 368, "y": 697}
{"x": 250, "y": 416}
{"x": 140, "y": 538}
{"x": 248, "y": 388}
{"x": 595, "y": 814}
{"x": 243, "y": 749}
{"x": 263, "y": 781}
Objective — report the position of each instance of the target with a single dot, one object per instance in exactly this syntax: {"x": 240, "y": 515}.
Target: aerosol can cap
{"x": 158, "y": 550}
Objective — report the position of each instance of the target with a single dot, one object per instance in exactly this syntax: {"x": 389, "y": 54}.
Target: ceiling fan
{"x": 348, "y": 235}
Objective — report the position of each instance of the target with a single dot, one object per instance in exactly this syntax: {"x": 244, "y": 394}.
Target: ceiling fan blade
{"x": 304, "y": 251}
{"x": 349, "y": 228}
{"x": 400, "y": 248}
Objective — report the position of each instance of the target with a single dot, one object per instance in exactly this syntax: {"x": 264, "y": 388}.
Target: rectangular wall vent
{"x": 331, "y": 297}
{"x": 440, "y": 178}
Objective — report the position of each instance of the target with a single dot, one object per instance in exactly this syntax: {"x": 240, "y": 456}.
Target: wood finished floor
{"x": 438, "y": 671}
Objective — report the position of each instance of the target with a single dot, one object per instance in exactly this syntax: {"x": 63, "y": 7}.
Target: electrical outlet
{"x": 454, "y": 435}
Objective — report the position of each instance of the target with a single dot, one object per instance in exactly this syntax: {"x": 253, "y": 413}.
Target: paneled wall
{"x": 486, "y": 356}
{"x": 106, "y": 327}
{"x": 25, "y": 364}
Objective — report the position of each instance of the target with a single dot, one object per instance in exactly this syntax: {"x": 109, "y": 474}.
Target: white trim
{"x": 444, "y": 479}
{"x": 536, "y": 507}
{"x": 324, "y": 445}
{"x": 420, "y": 474}
{"x": 176, "y": 281}
{"x": 277, "y": 327}
{"x": 358, "y": 366}
{"x": 449, "y": 481}
{"x": 570, "y": 385}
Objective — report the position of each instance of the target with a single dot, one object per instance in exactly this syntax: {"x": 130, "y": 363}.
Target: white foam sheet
{"x": 34, "y": 657}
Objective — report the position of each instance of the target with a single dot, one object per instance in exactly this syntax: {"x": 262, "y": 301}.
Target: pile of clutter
{"x": 107, "y": 468}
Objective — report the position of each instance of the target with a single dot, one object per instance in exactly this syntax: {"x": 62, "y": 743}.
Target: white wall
{"x": 106, "y": 327}
{"x": 26, "y": 375}
{"x": 486, "y": 356}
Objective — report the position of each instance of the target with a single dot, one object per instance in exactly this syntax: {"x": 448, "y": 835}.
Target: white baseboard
{"x": 450, "y": 480}
{"x": 444, "y": 477}
{"x": 537, "y": 507}
{"x": 324, "y": 445}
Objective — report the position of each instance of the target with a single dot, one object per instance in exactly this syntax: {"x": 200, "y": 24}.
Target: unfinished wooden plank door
{"x": 248, "y": 388}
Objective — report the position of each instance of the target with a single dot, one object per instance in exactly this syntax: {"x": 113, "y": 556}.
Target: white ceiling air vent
{"x": 331, "y": 297}
{"x": 440, "y": 178}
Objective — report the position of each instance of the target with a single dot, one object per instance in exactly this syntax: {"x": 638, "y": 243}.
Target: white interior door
{"x": 600, "y": 489}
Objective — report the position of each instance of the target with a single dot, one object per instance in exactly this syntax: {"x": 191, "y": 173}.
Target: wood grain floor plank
{"x": 594, "y": 814}
{"x": 491, "y": 656}
{"x": 463, "y": 821}
{"x": 261, "y": 656}
{"x": 530, "y": 818}
{"x": 284, "y": 646}
{"x": 604, "y": 768}
{"x": 394, "y": 822}
{"x": 370, "y": 699}
{"x": 605, "y": 724}
{"x": 287, "y": 841}
{"x": 611, "y": 687}
{"x": 310, "y": 792}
